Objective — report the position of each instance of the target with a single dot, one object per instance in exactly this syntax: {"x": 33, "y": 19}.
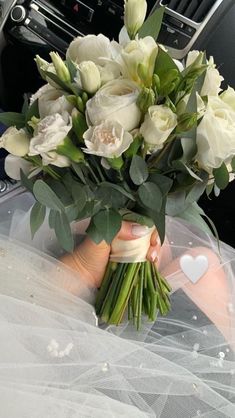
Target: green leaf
{"x": 164, "y": 63}
{"x": 51, "y": 218}
{"x": 176, "y": 203}
{"x": 108, "y": 222}
{"x": 78, "y": 170}
{"x": 138, "y": 170}
{"x": 46, "y": 196}
{"x": 137, "y": 218}
{"x": 134, "y": 147}
{"x": 72, "y": 68}
{"x": 71, "y": 212}
{"x": 63, "y": 232}
{"x": 193, "y": 215}
{"x": 26, "y": 182}
{"x": 118, "y": 188}
{"x": 37, "y": 216}
{"x": 115, "y": 199}
{"x": 152, "y": 25}
{"x": 221, "y": 175}
{"x": 33, "y": 110}
{"x": 13, "y": 119}
{"x": 159, "y": 219}
{"x": 151, "y": 196}
{"x": 93, "y": 233}
{"x": 58, "y": 81}
{"x": 79, "y": 196}
{"x": 163, "y": 182}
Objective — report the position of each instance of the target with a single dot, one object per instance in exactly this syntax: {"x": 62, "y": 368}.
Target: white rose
{"x": 89, "y": 76}
{"x": 51, "y": 101}
{"x": 134, "y": 15}
{"x": 15, "y": 141}
{"x": 216, "y": 135}
{"x": 115, "y": 101}
{"x": 49, "y": 133}
{"x": 213, "y": 79}
{"x": 89, "y": 48}
{"x": 140, "y": 51}
{"x": 108, "y": 139}
{"x": 228, "y": 96}
{"x": 51, "y": 157}
{"x": 14, "y": 164}
{"x": 159, "y": 122}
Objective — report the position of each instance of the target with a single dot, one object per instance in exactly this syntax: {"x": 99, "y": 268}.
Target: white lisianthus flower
{"x": 51, "y": 101}
{"x": 108, "y": 139}
{"x": 140, "y": 51}
{"x": 159, "y": 122}
{"x": 15, "y": 141}
{"x": 89, "y": 48}
{"x": 213, "y": 79}
{"x": 44, "y": 66}
{"x": 228, "y": 96}
{"x": 89, "y": 76}
{"x": 51, "y": 157}
{"x": 115, "y": 101}
{"x": 49, "y": 133}
{"x": 13, "y": 165}
{"x": 134, "y": 15}
{"x": 216, "y": 135}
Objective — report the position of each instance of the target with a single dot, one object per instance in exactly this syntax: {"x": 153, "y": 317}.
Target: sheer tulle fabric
{"x": 57, "y": 363}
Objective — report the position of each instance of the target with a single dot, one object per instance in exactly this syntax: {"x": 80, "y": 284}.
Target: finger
{"x": 131, "y": 231}
{"x": 155, "y": 240}
{"x": 153, "y": 253}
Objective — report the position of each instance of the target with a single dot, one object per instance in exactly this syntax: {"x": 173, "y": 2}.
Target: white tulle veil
{"x": 56, "y": 362}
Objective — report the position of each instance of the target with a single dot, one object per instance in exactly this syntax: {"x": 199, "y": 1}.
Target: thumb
{"x": 131, "y": 231}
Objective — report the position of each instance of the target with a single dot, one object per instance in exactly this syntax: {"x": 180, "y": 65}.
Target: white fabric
{"x": 131, "y": 251}
{"x": 55, "y": 362}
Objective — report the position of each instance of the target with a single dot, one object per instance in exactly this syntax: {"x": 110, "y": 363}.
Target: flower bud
{"x": 145, "y": 99}
{"x": 79, "y": 124}
{"x": 90, "y": 76}
{"x": 134, "y": 15}
{"x": 70, "y": 150}
{"x": 186, "y": 122}
{"x": 15, "y": 141}
{"x": 60, "y": 67}
{"x": 42, "y": 66}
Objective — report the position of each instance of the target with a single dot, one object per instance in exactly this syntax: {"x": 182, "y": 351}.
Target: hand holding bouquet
{"x": 121, "y": 131}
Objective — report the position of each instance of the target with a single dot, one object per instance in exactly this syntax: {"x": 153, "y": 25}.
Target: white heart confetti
{"x": 194, "y": 267}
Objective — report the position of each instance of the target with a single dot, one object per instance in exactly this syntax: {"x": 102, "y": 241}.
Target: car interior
{"x": 30, "y": 27}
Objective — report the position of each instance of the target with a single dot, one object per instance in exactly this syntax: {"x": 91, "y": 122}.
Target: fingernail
{"x": 139, "y": 230}
{"x": 154, "y": 256}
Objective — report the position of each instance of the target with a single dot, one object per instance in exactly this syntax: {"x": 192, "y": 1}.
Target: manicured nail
{"x": 154, "y": 256}
{"x": 139, "y": 230}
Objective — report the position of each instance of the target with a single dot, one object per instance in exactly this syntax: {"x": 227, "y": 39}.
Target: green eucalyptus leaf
{"x": 152, "y": 25}
{"x": 137, "y": 218}
{"x": 13, "y": 119}
{"x": 193, "y": 215}
{"x": 51, "y": 218}
{"x": 46, "y": 196}
{"x": 163, "y": 182}
{"x": 79, "y": 196}
{"x": 151, "y": 196}
{"x": 78, "y": 168}
{"x": 221, "y": 175}
{"x": 176, "y": 203}
{"x": 63, "y": 231}
{"x": 93, "y": 232}
{"x": 138, "y": 170}
{"x": 118, "y": 188}
{"x": 108, "y": 222}
{"x": 37, "y": 216}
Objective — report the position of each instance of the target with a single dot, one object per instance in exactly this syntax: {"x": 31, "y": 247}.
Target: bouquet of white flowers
{"x": 121, "y": 131}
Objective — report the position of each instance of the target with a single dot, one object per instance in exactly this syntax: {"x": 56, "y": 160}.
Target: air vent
{"x": 195, "y": 10}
